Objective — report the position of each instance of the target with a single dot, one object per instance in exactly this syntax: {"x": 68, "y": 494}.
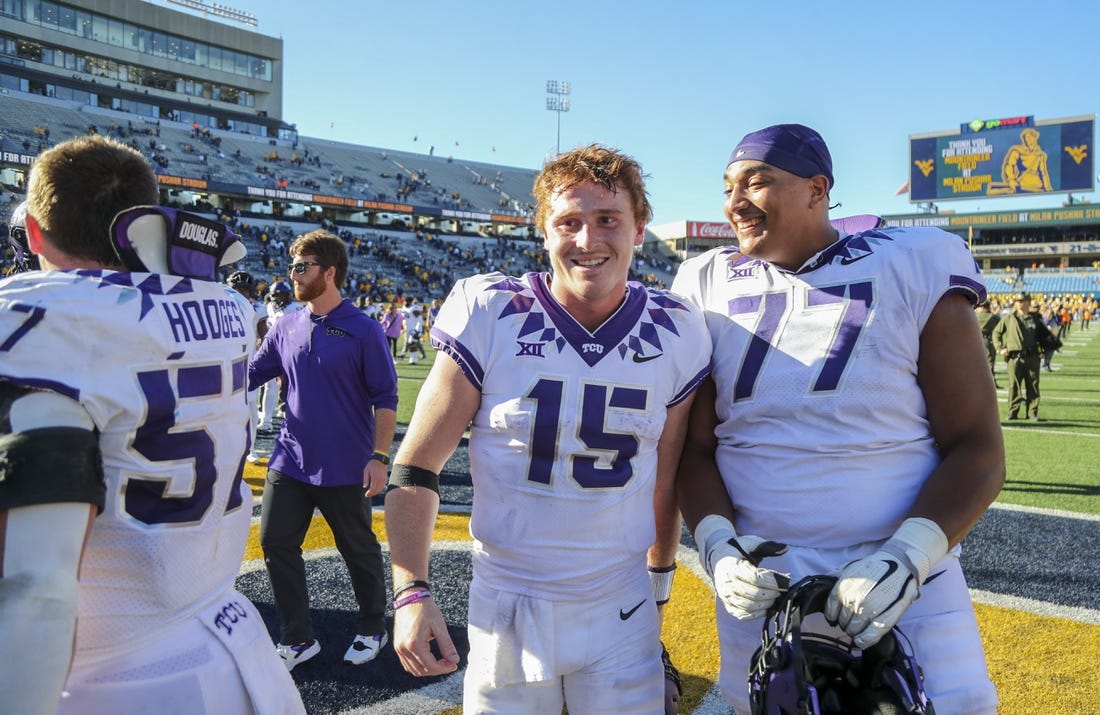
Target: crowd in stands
{"x": 1060, "y": 312}
{"x": 308, "y": 165}
{"x": 387, "y": 264}
{"x": 1039, "y": 278}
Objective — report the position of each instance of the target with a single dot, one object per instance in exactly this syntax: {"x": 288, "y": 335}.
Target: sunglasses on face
{"x": 301, "y": 267}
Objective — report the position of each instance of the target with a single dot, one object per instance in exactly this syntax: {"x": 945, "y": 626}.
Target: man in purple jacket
{"x": 333, "y": 449}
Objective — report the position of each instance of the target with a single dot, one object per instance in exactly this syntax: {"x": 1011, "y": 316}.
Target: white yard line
{"x": 1047, "y": 512}
{"x": 1040, "y": 608}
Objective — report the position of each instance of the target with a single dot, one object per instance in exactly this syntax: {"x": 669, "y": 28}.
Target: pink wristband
{"x": 411, "y": 598}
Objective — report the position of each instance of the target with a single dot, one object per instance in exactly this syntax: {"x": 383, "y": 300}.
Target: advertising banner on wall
{"x": 720, "y": 232}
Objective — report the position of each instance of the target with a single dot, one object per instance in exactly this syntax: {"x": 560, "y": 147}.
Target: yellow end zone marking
{"x": 689, "y": 633}
{"x": 448, "y": 527}
{"x": 1027, "y": 653}
{"x": 1040, "y": 659}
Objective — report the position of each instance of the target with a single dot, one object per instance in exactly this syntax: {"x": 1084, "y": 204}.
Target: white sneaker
{"x": 294, "y": 655}
{"x": 365, "y": 649}
{"x": 252, "y": 458}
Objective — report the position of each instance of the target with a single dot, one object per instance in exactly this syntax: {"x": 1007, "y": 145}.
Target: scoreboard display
{"x": 1016, "y": 156}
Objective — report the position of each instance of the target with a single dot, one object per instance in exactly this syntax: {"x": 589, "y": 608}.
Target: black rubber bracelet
{"x": 410, "y": 586}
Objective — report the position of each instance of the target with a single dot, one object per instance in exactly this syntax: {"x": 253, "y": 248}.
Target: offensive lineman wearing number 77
{"x": 123, "y": 435}
{"x": 850, "y": 427}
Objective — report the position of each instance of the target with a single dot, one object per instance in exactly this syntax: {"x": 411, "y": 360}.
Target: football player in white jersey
{"x": 122, "y": 442}
{"x": 414, "y": 329}
{"x": 245, "y": 284}
{"x": 577, "y": 384}
{"x": 850, "y": 424}
{"x": 280, "y": 301}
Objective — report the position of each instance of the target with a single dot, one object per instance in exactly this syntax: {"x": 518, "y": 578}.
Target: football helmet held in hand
{"x": 674, "y": 690}
{"x": 17, "y": 239}
{"x": 798, "y": 673}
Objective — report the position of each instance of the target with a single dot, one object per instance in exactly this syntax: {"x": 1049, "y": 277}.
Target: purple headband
{"x": 790, "y": 147}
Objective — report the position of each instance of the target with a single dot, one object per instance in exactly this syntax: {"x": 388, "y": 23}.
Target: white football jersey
{"x": 823, "y": 436}
{"x": 160, "y": 364}
{"x": 563, "y": 450}
{"x": 274, "y": 312}
{"x": 414, "y": 324}
{"x": 261, "y": 312}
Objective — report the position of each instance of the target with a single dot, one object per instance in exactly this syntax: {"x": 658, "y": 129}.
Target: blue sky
{"x": 676, "y": 84}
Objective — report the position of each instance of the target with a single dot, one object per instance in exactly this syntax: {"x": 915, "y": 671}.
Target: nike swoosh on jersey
{"x": 639, "y": 358}
{"x": 623, "y": 615}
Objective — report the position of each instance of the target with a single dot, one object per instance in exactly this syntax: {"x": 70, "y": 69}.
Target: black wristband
{"x": 397, "y": 591}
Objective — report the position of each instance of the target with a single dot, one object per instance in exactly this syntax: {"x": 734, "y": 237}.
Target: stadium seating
{"x": 1056, "y": 282}
{"x": 425, "y": 264}
{"x": 318, "y": 165}
{"x": 419, "y": 263}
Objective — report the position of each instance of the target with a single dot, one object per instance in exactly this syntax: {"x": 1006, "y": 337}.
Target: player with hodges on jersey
{"x": 123, "y": 435}
{"x": 850, "y": 425}
{"x": 577, "y": 384}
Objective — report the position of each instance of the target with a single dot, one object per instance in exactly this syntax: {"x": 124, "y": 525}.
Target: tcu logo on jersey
{"x": 229, "y": 614}
{"x": 592, "y": 348}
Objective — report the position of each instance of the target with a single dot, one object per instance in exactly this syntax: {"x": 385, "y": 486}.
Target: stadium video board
{"x": 1016, "y": 156}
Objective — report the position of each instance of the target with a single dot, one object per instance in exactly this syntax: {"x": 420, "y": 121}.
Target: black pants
{"x": 287, "y": 510}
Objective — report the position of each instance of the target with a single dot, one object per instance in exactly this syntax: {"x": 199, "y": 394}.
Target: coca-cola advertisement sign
{"x": 710, "y": 229}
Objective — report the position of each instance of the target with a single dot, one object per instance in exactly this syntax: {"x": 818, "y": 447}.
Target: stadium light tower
{"x": 558, "y": 101}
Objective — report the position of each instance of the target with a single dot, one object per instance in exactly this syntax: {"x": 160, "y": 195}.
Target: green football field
{"x": 1053, "y": 464}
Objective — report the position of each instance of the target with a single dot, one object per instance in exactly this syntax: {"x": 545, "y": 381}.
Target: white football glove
{"x": 732, "y": 561}
{"x": 872, "y": 593}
